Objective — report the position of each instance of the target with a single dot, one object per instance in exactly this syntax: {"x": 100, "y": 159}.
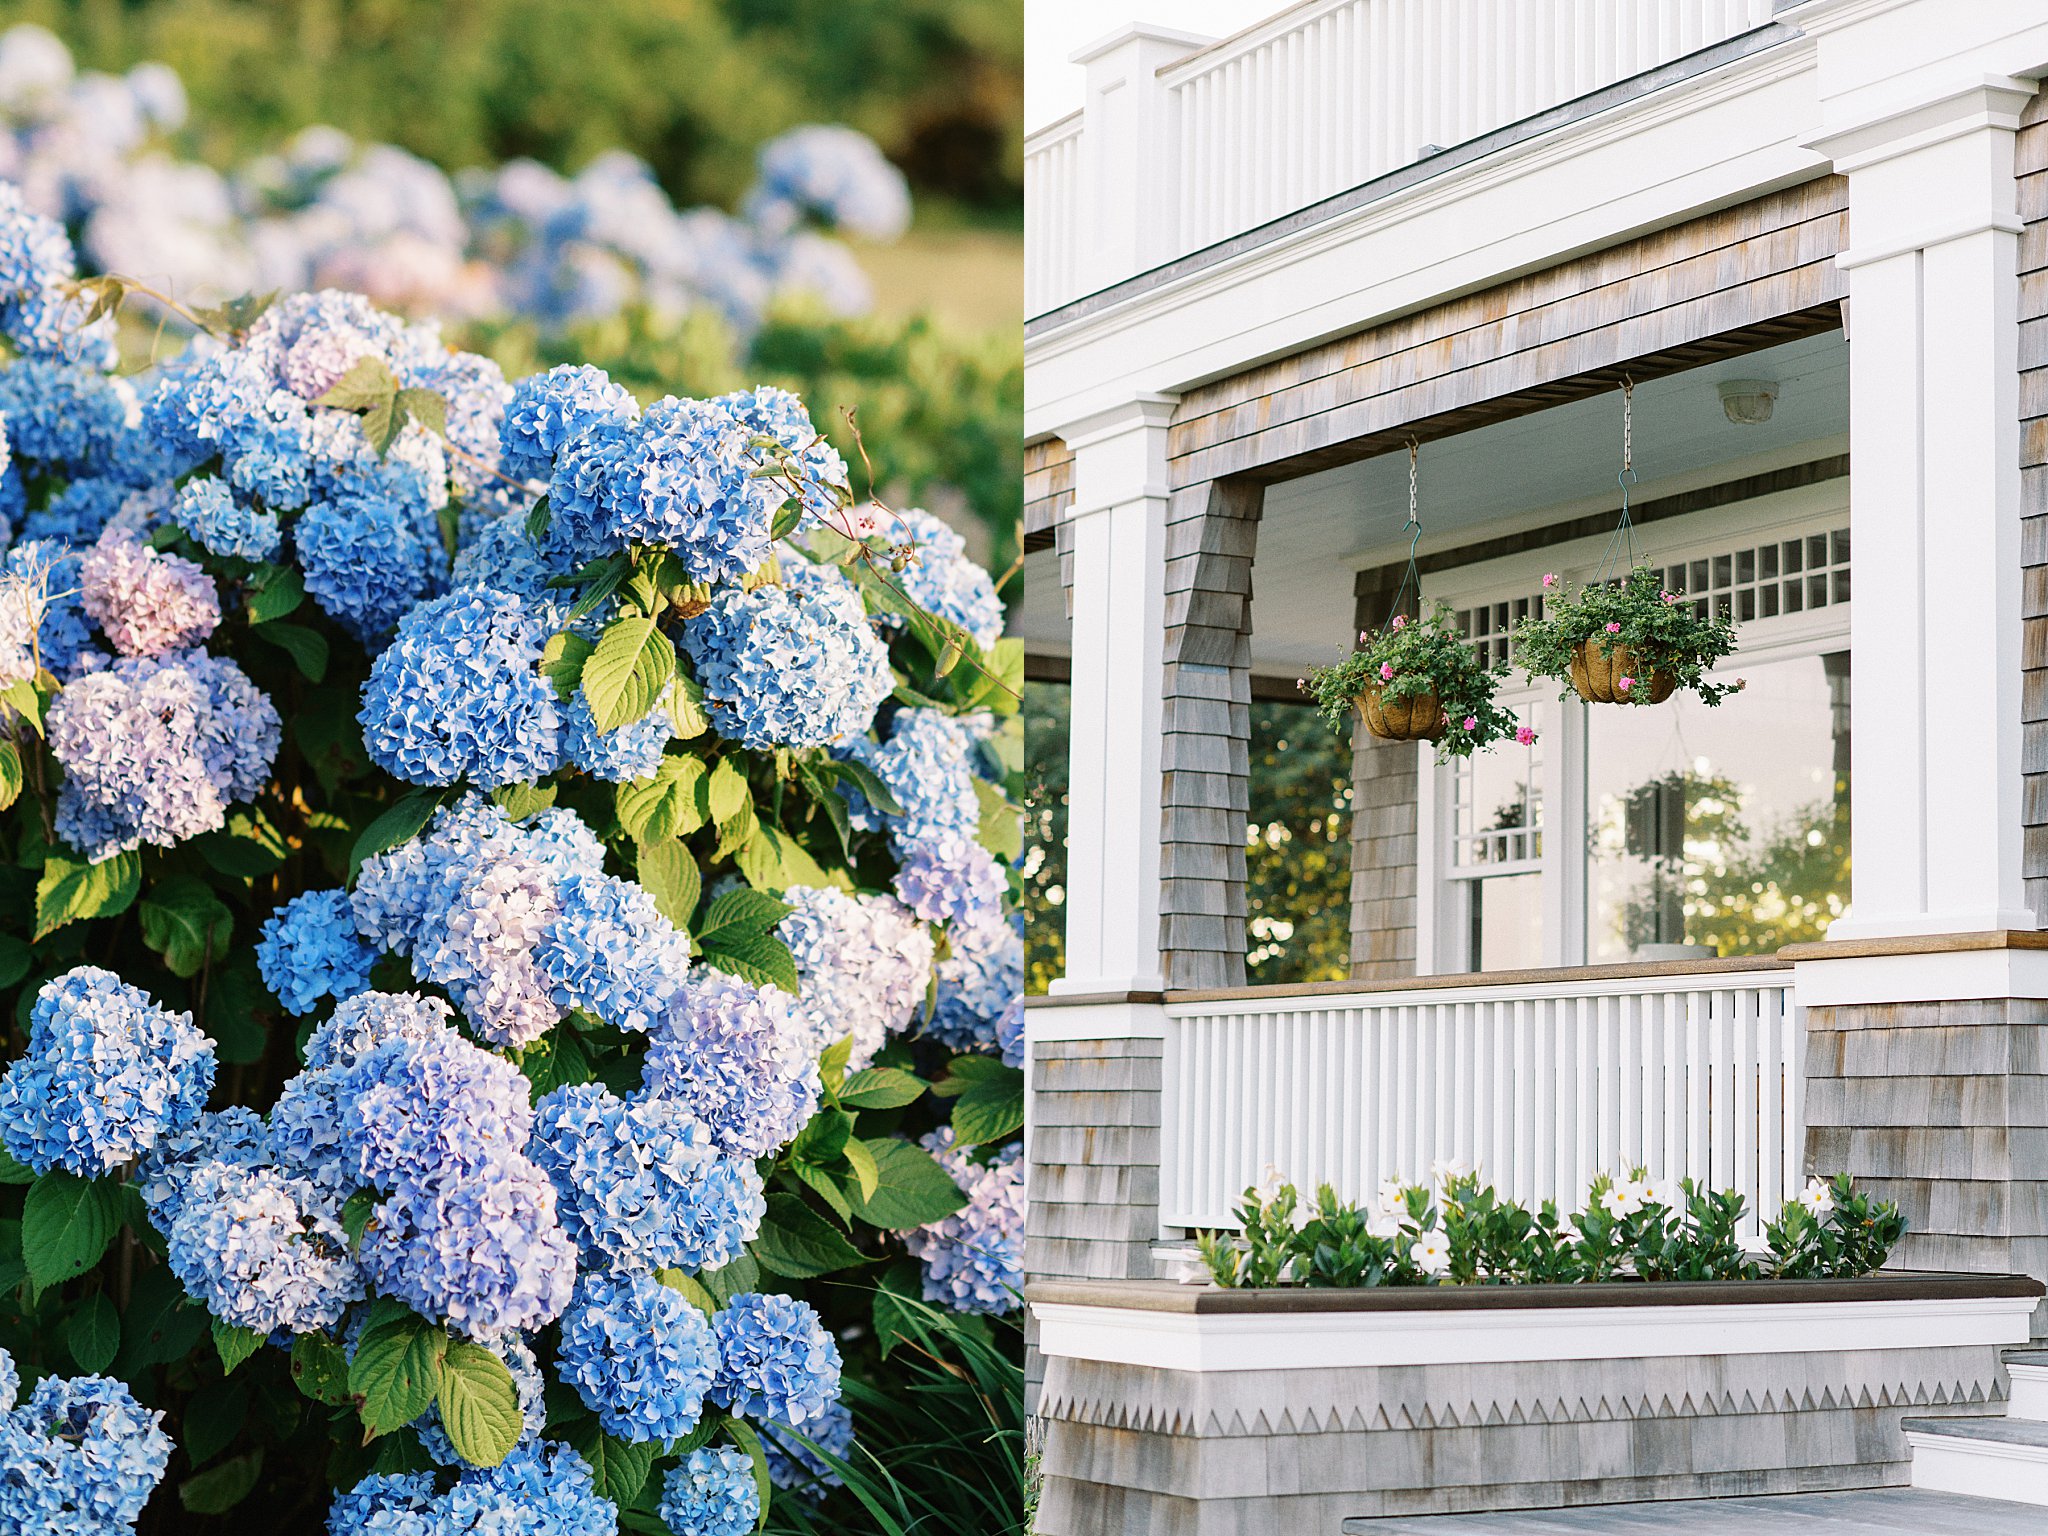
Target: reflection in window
{"x": 1496, "y": 849}
{"x": 1721, "y": 831}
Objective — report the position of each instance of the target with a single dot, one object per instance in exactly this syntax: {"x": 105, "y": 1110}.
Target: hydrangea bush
{"x": 507, "y": 901}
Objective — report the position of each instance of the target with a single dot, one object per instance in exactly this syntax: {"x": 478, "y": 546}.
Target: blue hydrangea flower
{"x": 481, "y": 1251}
{"x": 41, "y": 619}
{"x": 711, "y": 1493}
{"x": 35, "y": 253}
{"x": 974, "y": 1258}
{"x": 79, "y": 513}
{"x": 794, "y": 664}
{"x": 487, "y": 950}
{"x": 542, "y": 1488}
{"x": 106, "y": 1075}
{"x": 942, "y": 580}
{"x": 981, "y": 982}
{"x": 865, "y": 962}
{"x": 581, "y": 490}
{"x": 457, "y": 695}
{"x": 610, "y": 951}
{"x": 640, "y": 1356}
{"x": 927, "y": 765}
{"x": 207, "y": 509}
{"x": 639, "y": 1184}
{"x": 777, "y": 1361}
{"x": 62, "y": 416}
{"x": 261, "y": 1249}
{"x": 382, "y": 1502}
{"x": 309, "y": 950}
{"x": 431, "y": 1108}
{"x": 367, "y": 561}
{"x": 951, "y": 879}
{"x": 630, "y": 751}
{"x": 793, "y": 1465}
{"x": 548, "y": 410}
{"x": 686, "y": 484}
{"x": 831, "y": 173}
{"x": 80, "y": 1455}
{"x": 235, "y": 1135}
{"x": 739, "y": 1057}
{"x": 778, "y": 414}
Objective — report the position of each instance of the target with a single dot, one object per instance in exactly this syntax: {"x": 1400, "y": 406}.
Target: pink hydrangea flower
{"x": 146, "y": 601}
{"x": 1471, "y": 722}
{"x": 1623, "y": 685}
{"x": 1524, "y": 736}
{"x": 1614, "y": 629}
{"x": 1386, "y": 671}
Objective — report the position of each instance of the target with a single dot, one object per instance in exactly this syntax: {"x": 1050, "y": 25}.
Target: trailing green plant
{"x": 1421, "y": 659}
{"x": 1658, "y": 632}
{"x": 1461, "y": 1231}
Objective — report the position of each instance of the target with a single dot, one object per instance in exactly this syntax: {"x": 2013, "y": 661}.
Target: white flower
{"x": 1302, "y": 1217}
{"x": 1624, "y": 1199}
{"x": 1443, "y": 1170}
{"x": 1431, "y": 1253}
{"x": 1393, "y": 1199}
{"x": 1817, "y": 1198}
{"x": 1381, "y": 1224}
{"x": 1659, "y": 1192}
{"x": 1269, "y": 1185}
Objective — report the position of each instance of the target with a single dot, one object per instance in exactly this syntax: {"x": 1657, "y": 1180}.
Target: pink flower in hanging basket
{"x": 1614, "y": 629}
{"x": 1669, "y": 598}
{"x": 1471, "y": 722}
{"x": 1365, "y": 637}
{"x": 1622, "y": 685}
{"x": 1400, "y": 621}
{"x": 1386, "y": 671}
{"x": 1550, "y": 578}
{"x": 1524, "y": 736}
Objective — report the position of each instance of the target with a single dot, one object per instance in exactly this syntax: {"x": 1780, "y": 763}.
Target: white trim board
{"x": 1213, "y": 1342}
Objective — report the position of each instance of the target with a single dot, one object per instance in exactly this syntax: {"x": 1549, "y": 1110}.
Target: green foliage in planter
{"x": 1658, "y": 628}
{"x": 1412, "y": 658}
{"x": 1462, "y": 1232}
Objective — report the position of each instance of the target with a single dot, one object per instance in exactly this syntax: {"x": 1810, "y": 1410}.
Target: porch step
{"x": 1997, "y": 1458}
{"x": 2029, "y": 1370}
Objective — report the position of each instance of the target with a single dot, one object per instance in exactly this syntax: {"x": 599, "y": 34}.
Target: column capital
{"x": 1869, "y": 133}
{"x": 1150, "y": 410}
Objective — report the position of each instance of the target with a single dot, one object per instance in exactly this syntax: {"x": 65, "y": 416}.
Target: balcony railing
{"x": 1540, "y": 1081}
{"x": 1322, "y": 97}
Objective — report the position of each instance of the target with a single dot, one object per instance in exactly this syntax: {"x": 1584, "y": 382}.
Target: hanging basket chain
{"x": 1411, "y": 579}
{"x": 1623, "y": 540}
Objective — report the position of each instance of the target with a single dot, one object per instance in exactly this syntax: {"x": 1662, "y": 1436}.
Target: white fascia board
{"x": 1936, "y": 976}
{"x": 1096, "y": 1021}
{"x": 1275, "y": 1341}
{"x": 1668, "y": 156}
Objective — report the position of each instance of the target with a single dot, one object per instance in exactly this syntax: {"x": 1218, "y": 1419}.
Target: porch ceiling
{"x": 1529, "y": 472}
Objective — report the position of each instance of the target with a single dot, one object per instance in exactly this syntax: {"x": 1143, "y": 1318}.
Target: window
{"x": 1720, "y": 831}
{"x": 1497, "y": 854}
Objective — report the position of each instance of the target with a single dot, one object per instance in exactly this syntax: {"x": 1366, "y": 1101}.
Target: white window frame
{"x": 1442, "y": 916}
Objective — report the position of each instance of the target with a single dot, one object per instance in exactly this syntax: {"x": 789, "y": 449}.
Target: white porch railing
{"x": 1539, "y": 1084}
{"x": 1319, "y": 98}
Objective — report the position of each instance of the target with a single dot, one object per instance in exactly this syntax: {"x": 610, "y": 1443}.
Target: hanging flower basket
{"x": 1419, "y": 717}
{"x": 1625, "y": 642}
{"x": 1605, "y": 674}
{"x": 1417, "y": 680}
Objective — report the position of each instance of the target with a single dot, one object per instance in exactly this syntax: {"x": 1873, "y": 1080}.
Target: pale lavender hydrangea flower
{"x": 145, "y": 601}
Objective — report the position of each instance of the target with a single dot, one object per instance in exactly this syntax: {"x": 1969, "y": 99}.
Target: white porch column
{"x": 1113, "y": 809}
{"x": 1130, "y": 207}
{"x": 1935, "y": 506}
